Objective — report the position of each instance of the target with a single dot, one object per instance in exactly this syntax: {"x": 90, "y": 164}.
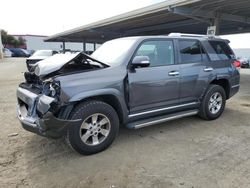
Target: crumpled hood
{"x": 53, "y": 63}
{"x": 56, "y": 62}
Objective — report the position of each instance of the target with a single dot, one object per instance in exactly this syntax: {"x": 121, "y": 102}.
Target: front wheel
{"x": 99, "y": 127}
{"x": 213, "y": 103}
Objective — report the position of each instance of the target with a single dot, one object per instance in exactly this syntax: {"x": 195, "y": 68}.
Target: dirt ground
{"x": 188, "y": 152}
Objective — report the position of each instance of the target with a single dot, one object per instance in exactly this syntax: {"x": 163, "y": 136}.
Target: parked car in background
{"x": 133, "y": 81}
{"x": 7, "y": 52}
{"x": 31, "y": 52}
{"x": 18, "y": 52}
{"x": 27, "y": 54}
{"x": 244, "y": 62}
{"x": 38, "y": 56}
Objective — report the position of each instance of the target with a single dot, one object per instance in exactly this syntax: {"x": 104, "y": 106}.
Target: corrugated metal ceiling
{"x": 160, "y": 19}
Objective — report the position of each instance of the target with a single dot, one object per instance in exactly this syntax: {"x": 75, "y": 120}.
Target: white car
{"x": 7, "y": 52}
{"x": 38, "y": 56}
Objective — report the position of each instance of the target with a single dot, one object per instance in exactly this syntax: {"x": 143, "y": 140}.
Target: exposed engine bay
{"x": 40, "y": 79}
{"x": 66, "y": 63}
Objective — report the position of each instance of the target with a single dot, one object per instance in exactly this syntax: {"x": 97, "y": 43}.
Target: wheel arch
{"x": 224, "y": 83}
{"x": 112, "y": 97}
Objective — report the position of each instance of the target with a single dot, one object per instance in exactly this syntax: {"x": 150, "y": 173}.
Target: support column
{"x": 94, "y": 46}
{"x": 1, "y": 45}
{"x": 84, "y": 46}
{"x": 216, "y": 23}
{"x": 63, "y": 47}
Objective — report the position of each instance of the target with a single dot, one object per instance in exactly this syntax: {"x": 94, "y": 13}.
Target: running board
{"x": 160, "y": 119}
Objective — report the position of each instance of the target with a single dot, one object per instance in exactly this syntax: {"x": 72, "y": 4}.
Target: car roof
{"x": 200, "y": 38}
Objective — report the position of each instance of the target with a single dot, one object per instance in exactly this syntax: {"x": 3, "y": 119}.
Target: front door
{"x": 157, "y": 85}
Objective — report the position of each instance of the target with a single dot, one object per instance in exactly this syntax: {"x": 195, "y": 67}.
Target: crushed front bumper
{"x": 35, "y": 116}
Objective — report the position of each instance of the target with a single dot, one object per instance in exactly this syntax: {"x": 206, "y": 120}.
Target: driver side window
{"x": 159, "y": 52}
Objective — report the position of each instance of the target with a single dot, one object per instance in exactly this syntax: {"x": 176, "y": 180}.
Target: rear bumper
{"x": 44, "y": 124}
{"x": 234, "y": 89}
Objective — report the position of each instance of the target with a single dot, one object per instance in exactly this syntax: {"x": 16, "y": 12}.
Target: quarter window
{"x": 222, "y": 50}
{"x": 159, "y": 52}
{"x": 191, "y": 51}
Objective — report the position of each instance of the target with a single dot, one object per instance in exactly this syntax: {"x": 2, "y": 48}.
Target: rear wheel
{"x": 99, "y": 127}
{"x": 213, "y": 103}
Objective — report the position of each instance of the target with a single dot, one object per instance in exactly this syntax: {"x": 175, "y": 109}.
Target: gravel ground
{"x": 188, "y": 152}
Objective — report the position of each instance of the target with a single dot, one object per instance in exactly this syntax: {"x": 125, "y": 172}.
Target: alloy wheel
{"x": 215, "y": 103}
{"x": 95, "y": 129}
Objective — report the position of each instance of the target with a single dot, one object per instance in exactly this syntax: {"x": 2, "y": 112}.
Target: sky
{"x": 48, "y": 17}
{"x": 238, "y": 40}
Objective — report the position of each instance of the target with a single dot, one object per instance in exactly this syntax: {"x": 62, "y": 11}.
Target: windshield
{"x": 43, "y": 53}
{"x": 114, "y": 51}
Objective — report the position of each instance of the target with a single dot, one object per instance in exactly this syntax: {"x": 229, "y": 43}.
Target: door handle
{"x": 208, "y": 69}
{"x": 173, "y": 73}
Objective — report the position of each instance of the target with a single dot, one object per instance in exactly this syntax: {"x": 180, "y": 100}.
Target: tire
{"x": 210, "y": 108}
{"x": 99, "y": 127}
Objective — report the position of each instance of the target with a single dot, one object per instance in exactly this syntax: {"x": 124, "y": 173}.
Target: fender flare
{"x": 211, "y": 79}
{"x": 100, "y": 92}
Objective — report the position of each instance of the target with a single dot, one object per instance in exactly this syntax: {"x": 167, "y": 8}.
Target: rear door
{"x": 194, "y": 70}
{"x": 222, "y": 58}
{"x": 157, "y": 85}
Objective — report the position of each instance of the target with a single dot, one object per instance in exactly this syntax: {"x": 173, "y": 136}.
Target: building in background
{"x": 36, "y": 42}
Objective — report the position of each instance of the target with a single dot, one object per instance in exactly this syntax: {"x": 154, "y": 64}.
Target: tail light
{"x": 236, "y": 64}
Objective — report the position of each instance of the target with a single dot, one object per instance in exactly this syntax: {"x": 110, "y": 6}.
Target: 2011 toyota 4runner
{"x": 133, "y": 81}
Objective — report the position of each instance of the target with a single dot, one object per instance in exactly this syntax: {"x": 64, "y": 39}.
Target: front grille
{"x": 30, "y": 77}
{"x": 31, "y": 87}
{"x": 33, "y": 61}
{"x": 22, "y": 103}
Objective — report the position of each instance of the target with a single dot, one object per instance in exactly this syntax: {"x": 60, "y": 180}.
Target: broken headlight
{"x": 51, "y": 88}
{"x": 54, "y": 88}
{"x": 37, "y": 71}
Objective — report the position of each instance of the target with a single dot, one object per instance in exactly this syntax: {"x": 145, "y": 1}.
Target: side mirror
{"x": 140, "y": 61}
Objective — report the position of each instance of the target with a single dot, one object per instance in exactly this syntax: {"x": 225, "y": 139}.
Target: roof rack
{"x": 191, "y": 35}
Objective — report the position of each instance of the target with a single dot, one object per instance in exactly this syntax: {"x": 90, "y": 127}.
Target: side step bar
{"x": 160, "y": 119}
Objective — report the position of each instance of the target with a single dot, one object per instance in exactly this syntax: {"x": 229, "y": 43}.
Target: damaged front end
{"x": 36, "y": 113}
{"x": 39, "y": 105}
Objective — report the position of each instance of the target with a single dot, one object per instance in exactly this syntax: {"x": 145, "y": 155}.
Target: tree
{"x": 21, "y": 41}
{"x": 11, "y": 40}
{"x": 4, "y": 37}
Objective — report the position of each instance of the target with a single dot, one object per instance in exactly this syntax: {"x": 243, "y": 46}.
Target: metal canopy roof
{"x": 187, "y": 16}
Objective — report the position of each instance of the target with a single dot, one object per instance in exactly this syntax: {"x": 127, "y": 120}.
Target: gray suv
{"x": 133, "y": 81}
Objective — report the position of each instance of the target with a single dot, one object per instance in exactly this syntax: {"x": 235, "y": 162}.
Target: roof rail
{"x": 190, "y": 35}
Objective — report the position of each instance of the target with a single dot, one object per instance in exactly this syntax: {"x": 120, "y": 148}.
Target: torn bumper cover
{"x": 45, "y": 124}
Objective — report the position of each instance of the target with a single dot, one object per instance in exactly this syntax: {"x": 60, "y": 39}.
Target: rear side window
{"x": 160, "y": 52}
{"x": 222, "y": 50}
{"x": 191, "y": 51}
